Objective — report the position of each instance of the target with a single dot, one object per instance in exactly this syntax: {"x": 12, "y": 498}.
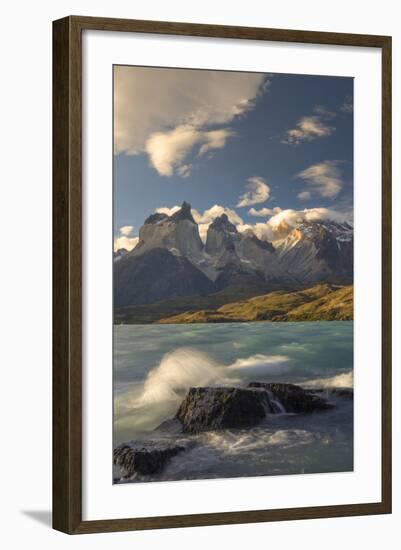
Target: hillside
{"x": 337, "y": 306}
{"x": 150, "y": 313}
{"x": 323, "y": 302}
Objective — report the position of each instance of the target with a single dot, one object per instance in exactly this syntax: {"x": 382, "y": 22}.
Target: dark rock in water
{"x": 220, "y": 408}
{"x": 171, "y": 425}
{"x": 144, "y": 457}
{"x": 294, "y": 399}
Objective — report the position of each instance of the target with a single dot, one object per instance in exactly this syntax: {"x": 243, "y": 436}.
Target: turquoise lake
{"x": 155, "y": 365}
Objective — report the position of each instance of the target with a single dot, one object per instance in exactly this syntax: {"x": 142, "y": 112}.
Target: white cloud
{"x": 215, "y": 139}
{"x": 282, "y": 223}
{"x": 324, "y": 178}
{"x": 167, "y": 210}
{"x": 214, "y": 212}
{"x": 294, "y": 217}
{"x": 125, "y": 242}
{"x": 264, "y": 212}
{"x": 257, "y": 192}
{"x": 168, "y": 150}
{"x": 304, "y": 195}
{"x": 150, "y": 104}
{"x": 207, "y": 216}
{"x": 307, "y": 129}
{"x": 126, "y": 230}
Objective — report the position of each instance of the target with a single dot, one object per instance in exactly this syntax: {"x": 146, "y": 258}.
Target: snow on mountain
{"x": 315, "y": 251}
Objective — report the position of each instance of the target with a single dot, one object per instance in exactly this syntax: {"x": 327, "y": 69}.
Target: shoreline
{"x": 321, "y": 302}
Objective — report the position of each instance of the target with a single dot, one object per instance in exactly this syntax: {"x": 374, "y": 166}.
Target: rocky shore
{"x": 208, "y": 409}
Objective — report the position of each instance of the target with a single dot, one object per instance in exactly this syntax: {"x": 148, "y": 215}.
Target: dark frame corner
{"x": 67, "y": 274}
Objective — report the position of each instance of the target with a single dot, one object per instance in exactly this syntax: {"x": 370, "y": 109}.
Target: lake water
{"x": 154, "y": 365}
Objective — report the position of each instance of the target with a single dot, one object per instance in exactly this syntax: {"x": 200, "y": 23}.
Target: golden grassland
{"x": 322, "y": 302}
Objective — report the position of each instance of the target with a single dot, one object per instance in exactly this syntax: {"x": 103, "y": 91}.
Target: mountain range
{"x": 171, "y": 263}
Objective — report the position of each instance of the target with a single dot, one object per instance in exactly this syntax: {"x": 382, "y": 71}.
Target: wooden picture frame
{"x": 67, "y": 274}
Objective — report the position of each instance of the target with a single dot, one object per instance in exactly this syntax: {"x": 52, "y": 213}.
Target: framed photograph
{"x": 222, "y": 275}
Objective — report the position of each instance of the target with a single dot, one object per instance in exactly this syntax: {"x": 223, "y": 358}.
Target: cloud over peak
{"x": 124, "y": 240}
{"x": 257, "y": 191}
{"x": 282, "y": 223}
{"x": 206, "y": 218}
{"x": 278, "y": 225}
{"x": 264, "y": 212}
{"x": 126, "y": 230}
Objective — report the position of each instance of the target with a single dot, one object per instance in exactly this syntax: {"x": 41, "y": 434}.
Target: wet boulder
{"x": 144, "y": 458}
{"x": 219, "y": 408}
{"x": 292, "y": 398}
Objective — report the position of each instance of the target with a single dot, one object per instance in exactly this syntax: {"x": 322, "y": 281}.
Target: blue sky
{"x": 254, "y": 144}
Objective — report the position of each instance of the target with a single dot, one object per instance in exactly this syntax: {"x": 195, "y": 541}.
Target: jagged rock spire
{"x": 223, "y": 223}
{"x": 184, "y": 213}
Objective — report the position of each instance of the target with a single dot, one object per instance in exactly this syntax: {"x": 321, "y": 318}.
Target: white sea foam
{"x": 343, "y": 380}
{"x": 186, "y": 367}
{"x": 235, "y": 355}
{"x": 244, "y": 442}
{"x": 165, "y": 386}
{"x": 177, "y": 372}
{"x": 143, "y": 409}
{"x": 260, "y": 364}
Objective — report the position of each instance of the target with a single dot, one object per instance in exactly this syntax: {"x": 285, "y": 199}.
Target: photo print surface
{"x": 232, "y": 274}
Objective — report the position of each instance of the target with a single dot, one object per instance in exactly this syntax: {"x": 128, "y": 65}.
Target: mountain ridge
{"x": 310, "y": 253}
